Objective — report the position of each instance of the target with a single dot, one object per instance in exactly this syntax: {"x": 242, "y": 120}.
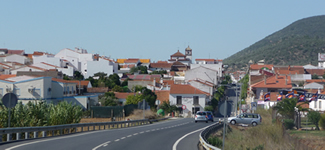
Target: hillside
{"x": 297, "y": 44}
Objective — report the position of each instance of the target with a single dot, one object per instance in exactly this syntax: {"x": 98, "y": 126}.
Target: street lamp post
{"x": 224, "y": 124}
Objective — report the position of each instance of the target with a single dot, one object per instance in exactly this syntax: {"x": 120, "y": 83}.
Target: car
{"x": 201, "y": 116}
{"x": 246, "y": 118}
{"x": 210, "y": 116}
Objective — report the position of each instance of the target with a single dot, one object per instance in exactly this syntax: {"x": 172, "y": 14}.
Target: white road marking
{"x": 129, "y": 136}
{"x": 141, "y": 132}
{"x": 81, "y": 134}
{"x": 122, "y": 138}
{"x": 162, "y": 128}
{"x": 176, "y": 143}
{"x": 153, "y": 130}
{"x": 104, "y": 145}
{"x": 136, "y": 133}
{"x": 117, "y": 140}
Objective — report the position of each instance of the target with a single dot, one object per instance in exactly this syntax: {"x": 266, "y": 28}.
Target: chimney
{"x": 286, "y": 80}
{"x": 289, "y": 67}
{"x": 264, "y": 80}
{"x": 276, "y": 76}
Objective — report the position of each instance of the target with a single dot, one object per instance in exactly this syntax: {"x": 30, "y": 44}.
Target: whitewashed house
{"x": 48, "y": 89}
{"x": 104, "y": 65}
{"x": 202, "y": 73}
{"x": 17, "y": 58}
{"x": 313, "y": 85}
{"x": 77, "y": 58}
{"x": 188, "y": 99}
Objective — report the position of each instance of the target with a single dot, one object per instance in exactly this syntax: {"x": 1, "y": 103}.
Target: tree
{"x": 133, "y": 99}
{"x": 78, "y": 76}
{"x": 149, "y": 96}
{"x": 65, "y": 77}
{"x": 165, "y": 105}
{"x": 117, "y": 88}
{"x": 134, "y": 70}
{"x": 314, "y": 76}
{"x": 208, "y": 108}
{"x": 324, "y": 76}
{"x": 109, "y": 99}
{"x": 286, "y": 107}
{"x": 314, "y": 117}
{"x": 322, "y": 121}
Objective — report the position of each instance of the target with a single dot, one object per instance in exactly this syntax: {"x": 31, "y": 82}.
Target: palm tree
{"x": 287, "y": 108}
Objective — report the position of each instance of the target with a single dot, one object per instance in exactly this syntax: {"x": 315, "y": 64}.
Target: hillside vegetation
{"x": 297, "y": 44}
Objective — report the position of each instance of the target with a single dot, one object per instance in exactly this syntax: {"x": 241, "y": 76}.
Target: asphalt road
{"x": 181, "y": 134}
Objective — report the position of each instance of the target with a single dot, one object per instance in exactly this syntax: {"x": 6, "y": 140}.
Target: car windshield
{"x": 201, "y": 113}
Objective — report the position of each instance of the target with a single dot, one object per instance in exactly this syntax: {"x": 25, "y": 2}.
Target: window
{"x": 179, "y": 100}
{"x": 320, "y": 104}
{"x": 195, "y": 100}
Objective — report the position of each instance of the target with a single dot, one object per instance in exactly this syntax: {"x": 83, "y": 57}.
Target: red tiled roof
{"x": 5, "y": 76}
{"x": 162, "y": 95}
{"x": 185, "y": 89}
{"x": 178, "y": 54}
{"x": 318, "y": 72}
{"x": 131, "y": 60}
{"x": 177, "y": 63}
{"x": 316, "y": 80}
{"x": 121, "y": 95}
{"x": 19, "y": 52}
{"x": 162, "y": 61}
{"x": 258, "y": 67}
{"x": 289, "y": 70}
{"x": 204, "y": 59}
{"x": 161, "y": 65}
{"x": 272, "y": 82}
{"x": 128, "y": 66}
{"x": 82, "y": 83}
{"x": 169, "y": 82}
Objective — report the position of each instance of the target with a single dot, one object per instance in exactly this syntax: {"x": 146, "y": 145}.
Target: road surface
{"x": 180, "y": 134}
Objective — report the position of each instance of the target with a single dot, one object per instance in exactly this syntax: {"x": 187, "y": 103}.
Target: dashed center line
{"x": 136, "y": 133}
{"x": 122, "y": 138}
{"x": 129, "y": 136}
{"x": 117, "y": 140}
{"x": 140, "y": 132}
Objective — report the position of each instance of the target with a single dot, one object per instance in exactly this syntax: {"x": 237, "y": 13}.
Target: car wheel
{"x": 233, "y": 122}
{"x": 254, "y": 123}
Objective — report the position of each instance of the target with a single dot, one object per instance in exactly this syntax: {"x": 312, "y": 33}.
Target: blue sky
{"x": 147, "y": 29}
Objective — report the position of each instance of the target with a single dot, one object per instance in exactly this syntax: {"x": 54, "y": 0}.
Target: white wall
{"x": 202, "y": 87}
{"x": 217, "y": 67}
{"x": 202, "y": 73}
{"x": 318, "y": 105}
{"x": 16, "y": 58}
{"x": 26, "y": 68}
{"x": 99, "y": 66}
{"x": 187, "y": 100}
{"x": 47, "y": 59}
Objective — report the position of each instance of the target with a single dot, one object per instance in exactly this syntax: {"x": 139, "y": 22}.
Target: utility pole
{"x": 224, "y": 124}
{"x": 236, "y": 101}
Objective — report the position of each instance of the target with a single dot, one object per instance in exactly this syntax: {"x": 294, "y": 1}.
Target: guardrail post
{"x": 75, "y": 130}
{"x": 0, "y": 138}
{"x": 26, "y": 135}
{"x": 88, "y": 128}
{"x": 35, "y": 134}
{"x": 43, "y": 133}
{"x": 69, "y": 130}
{"x": 8, "y": 137}
{"x": 18, "y": 136}
{"x": 94, "y": 128}
{"x": 82, "y": 129}
{"x": 61, "y": 131}
{"x": 104, "y": 127}
{"x": 53, "y": 133}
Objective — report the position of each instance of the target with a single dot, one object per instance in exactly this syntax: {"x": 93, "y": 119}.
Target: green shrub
{"x": 208, "y": 108}
{"x": 322, "y": 121}
{"x": 215, "y": 141}
{"x": 314, "y": 117}
{"x": 289, "y": 123}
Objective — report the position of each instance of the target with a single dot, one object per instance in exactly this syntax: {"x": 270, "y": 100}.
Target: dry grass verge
{"x": 267, "y": 136}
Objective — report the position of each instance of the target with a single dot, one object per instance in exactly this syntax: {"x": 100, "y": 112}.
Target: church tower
{"x": 188, "y": 53}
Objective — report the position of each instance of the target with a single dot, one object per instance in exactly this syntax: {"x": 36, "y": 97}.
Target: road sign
{"x": 10, "y": 100}
{"x": 183, "y": 107}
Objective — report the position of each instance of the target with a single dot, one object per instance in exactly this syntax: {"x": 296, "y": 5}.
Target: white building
{"x": 51, "y": 90}
{"x": 78, "y": 58}
{"x": 188, "y": 99}
{"x": 17, "y": 58}
{"x": 102, "y": 65}
{"x": 217, "y": 67}
{"x": 203, "y": 73}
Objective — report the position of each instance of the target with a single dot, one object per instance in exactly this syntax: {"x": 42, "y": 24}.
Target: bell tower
{"x": 188, "y": 53}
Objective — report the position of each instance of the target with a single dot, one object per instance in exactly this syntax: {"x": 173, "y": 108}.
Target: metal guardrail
{"x": 204, "y": 135}
{"x": 44, "y": 131}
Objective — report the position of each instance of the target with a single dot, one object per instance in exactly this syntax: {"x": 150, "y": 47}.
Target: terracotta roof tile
{"x": 145, "y": 60}
{"x": 161, "y": 65}
{"x": 185, "y": 89}
{"x": 131, "y": 60}
{"x": 258, "y": 67}
{"x": 316, "y": 80}
{"x": 19, "y": 52}
{"x": 5, "y": 76}
{"x": 272, "y": 82}
{"x": 178, "y": 54}
{"x": 120, "y": 61}
{"x": 318, "y": 72}
{"x": 121, "y": 95}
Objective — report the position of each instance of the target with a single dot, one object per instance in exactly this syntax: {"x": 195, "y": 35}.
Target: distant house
{"x": 179, "y": 57}
{"x": 160, "y": 65}
{"x": 188, "y": 99}
{"x": 122, "y": 96}
{"x": 314, "y": 85}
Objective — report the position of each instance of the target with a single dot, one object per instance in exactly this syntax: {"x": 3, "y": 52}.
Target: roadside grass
{"x": 267, "y": 136}
{"x": 307, "y": 133}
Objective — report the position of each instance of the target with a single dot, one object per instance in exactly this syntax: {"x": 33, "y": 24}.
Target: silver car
{"x": 246, "y": 118}
{"x": 201, "y": 116}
